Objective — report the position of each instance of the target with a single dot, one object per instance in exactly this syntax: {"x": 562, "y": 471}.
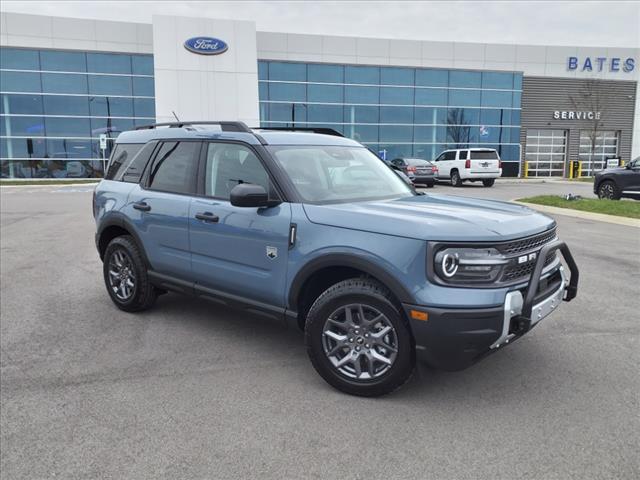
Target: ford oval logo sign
{"x": 206, "y": 45}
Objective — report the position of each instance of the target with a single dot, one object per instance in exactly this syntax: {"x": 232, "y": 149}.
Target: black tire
{"x": 609, "y": 190}
{"x": 431, "y": 184}
{"x": 488, "y": 182}
{"x": 144, "y": 294}
{"x": 369, "y": 293}
{"x": 456, "y": 181}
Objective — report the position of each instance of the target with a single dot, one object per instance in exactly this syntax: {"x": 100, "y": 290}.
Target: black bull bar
{"x": 571, "y": 290}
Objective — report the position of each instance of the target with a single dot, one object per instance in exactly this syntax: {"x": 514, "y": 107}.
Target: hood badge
{"x": 272, "y": 252}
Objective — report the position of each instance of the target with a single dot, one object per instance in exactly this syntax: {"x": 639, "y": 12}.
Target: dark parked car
{"x": 421, "y": 172}
{"x": 615, "y": 183}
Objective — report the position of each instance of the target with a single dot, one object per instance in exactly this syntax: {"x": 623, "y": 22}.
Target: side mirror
{"x": 249, "y": 195}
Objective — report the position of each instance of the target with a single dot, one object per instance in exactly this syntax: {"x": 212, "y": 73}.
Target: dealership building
{"x": 69, "y": 86}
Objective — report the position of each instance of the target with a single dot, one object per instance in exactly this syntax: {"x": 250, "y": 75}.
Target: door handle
{"x": 207, "y": 217}
{"x": 142, "y": 206}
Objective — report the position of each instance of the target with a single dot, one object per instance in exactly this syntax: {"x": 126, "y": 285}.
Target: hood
{"x": 434, "y": 217}
{"x": 611, "y": 170}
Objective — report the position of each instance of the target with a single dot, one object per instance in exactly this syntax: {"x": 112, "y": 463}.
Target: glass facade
{"x": 55, "y": 104}
{"x": 411, "y": 112}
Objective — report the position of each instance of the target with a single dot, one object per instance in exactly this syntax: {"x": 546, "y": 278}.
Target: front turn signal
{"x": 418, "y": 315}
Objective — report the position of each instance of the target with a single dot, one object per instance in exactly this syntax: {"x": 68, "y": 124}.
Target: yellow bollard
{"x": 526, "y": 169}
{"x": 579, "y": 169}
{"x": 570, "y": 169}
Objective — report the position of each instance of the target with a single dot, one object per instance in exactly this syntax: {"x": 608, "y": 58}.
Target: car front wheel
{"x": 608, "y": 189}
{"x": 358, "y": 340}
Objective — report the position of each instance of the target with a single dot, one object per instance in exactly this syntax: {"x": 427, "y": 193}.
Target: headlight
{"x": 469, "y": 265}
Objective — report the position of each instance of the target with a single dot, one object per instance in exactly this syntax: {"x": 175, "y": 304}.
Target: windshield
{"x": 417, "y": 161}
{"x": 331, "y": 174}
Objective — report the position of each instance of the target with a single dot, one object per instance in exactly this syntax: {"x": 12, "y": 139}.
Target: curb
{"x": 598, "y": 217}
{"x": 522, "y": 181}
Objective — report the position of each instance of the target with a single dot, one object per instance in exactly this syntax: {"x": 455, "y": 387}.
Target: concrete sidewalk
{"x": 599, "y": 217}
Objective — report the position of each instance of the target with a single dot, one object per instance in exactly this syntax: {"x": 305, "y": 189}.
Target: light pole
{"x": 293, "y": 113}
{"x": 107, "y": 132}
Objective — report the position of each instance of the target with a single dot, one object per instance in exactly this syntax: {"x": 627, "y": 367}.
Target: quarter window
{"x": 230, "y": 164}
{"x": 122, "y": 158}
{"x": 174, "y": 167}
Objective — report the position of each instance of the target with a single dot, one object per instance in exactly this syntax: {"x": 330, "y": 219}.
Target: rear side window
{"x": 174, "y": 168}
{"x": 121, "y": 158}
{"x": 484, "y": 155}
{"x": 463, "y": 154}
{"x": 133, "y": 173}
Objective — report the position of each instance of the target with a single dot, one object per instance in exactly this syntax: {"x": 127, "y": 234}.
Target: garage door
{"x": 546, "y": 151}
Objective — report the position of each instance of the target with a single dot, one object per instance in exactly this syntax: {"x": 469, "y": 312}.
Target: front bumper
{"x": 453, "y": 339}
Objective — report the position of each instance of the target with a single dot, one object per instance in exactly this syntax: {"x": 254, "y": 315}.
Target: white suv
{"x": 470, "y": 164}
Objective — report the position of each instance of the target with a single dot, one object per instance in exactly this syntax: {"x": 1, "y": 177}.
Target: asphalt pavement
{"x": 191, "y": 390}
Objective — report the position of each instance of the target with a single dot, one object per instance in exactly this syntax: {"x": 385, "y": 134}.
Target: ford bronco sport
{"x": 318, "y": 231}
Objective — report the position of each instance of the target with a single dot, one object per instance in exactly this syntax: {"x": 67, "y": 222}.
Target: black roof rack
{"x": 225, "y": 126}
{"x": 323, "y": 130}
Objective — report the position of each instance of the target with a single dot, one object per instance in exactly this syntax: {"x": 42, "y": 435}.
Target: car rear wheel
{"x": 608, "y": 189}
{"x": 456, "y": 181}
{"x": 488, "y": 182}
{"x": 125, "y": 276}
{"x": 357, "y": 339}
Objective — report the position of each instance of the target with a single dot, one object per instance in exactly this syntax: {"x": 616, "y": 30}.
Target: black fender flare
{"x": 117, "y": 219}
{"x": 345, "y": 260}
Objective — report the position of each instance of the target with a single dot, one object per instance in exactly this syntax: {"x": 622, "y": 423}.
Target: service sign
{"x": 206, "y": 45}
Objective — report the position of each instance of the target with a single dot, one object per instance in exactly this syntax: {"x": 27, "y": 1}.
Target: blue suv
{"x": 314, "y": 229}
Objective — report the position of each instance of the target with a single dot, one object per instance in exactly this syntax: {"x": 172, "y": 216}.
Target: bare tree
{"x": 593, "y": 100}
{"x": 458, "y": 130}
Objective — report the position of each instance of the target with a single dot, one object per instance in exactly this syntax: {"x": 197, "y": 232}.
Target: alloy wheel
{"x": 360, "y": 341}
{"x": 606, "y": 191}
{"x": 121, "y": 275}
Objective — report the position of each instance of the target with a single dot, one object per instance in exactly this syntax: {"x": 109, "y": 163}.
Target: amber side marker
{"x": 418, "y": 315}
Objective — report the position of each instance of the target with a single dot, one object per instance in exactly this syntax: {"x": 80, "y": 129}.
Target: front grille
{"x": 525, "y": 269}
{"x": 526, "y": 244}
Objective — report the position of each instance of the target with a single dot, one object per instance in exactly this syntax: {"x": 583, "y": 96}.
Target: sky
{"x": 575, "y": 23}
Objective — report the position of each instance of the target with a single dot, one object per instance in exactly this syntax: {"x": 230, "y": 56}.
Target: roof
{"x": 415, "y": 159}
{"x": 256, "y": 136}
{"x": 304, "y": 138}
{"x": 474, "y": 149}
